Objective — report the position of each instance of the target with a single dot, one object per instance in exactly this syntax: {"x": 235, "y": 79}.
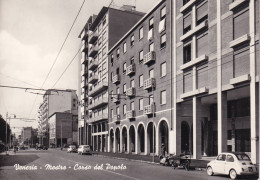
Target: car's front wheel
{"x": 232, "y": 174}
{"x": 210, "y": 171}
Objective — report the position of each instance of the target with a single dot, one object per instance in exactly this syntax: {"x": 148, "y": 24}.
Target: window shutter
{"x": 187, "y": 81}
{"x": 202, "y": 76}
{"x": 202, "y": 11}
{"x": 202, "y": 45}
{"x": 241, "y": 24}
{"x": 241, "y": 62}
{"x": 187, "y": 21}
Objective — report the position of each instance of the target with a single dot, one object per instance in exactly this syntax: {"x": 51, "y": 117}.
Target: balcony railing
{"x": 116, "y": 79}
{"x": 98, "y": 118}
{"x": 116, "y": 117}
{"x": 93, "y": 78}
{"x": 99, "y": 88}
{"x": 130, "y": 114}
{"x": 130, "y": 91}
{"x": 93, "y": 37}
{"x": 149, "y": 57}
{"x": 93, "y": 50}
{"x": 93, "y": 64}
{"x": 84, "y": 48}
{"x": 149, "y": 83}
{"x": 149, "y": 109}
{"x": 130, "y": 69}
{"x": 99, "y": 103}
{"x": 116, "y": 98}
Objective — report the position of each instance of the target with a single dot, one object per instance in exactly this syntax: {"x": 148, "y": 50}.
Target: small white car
{"x": 232, "y": 164}
{"x": 72, "y": 148}
{"x": 83, "y": 149}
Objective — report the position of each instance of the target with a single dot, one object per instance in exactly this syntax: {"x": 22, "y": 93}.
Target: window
{"x": 241, "y": 23}
{"x": 151, "y": 47}
{"x": 112, "y": 113}
{"x": 117, "y": 70}
{"x": 163, "y": 69}
{"x": 132, "y": 60}
{"x": 141, "y": 81}
{"x": 124, "y": 68}
{"x": 124, "y": 47}
{"x": 118, "y": 53}
{"x": 163, "y": 97}
{"x": 187, "y": 23}
{"x": 124, "y": 88}
{"x": 124, "y": 109}
{"x": 104, "y": 67}
{"x": 151, "y": 73}
{"x": 185, "y": 2}
{"x": 99, "y": 56}
{"x": 99, "y": 41}
{"x": 132, "y": 40}
{"x": 118, "y": 90}
{"x": 163, "y": 12}
{"x": 117, "y": 110}
{"x": 150, "y": 99}
{"x": 141, "y": 56}
{"x": 99, "y": 27}
{"x": 202, "y": 12}
{"x": 141, "y": 33}
{"x": 104, "y": 36}
{"x": 104, "y": 21}
{"x": 132, "y": 105}
{"x": 104, "y": 51}
{"x": 112, "y": 74}
{"x": 163, "y": 41}
{"x": 112, "y": 59}
{"x": 132, "y": 83}
{"x": 202, "y": 44}
{"x": 151, "y": 23}
{"x": 187, "y": 53}
{"x": 221, "y": 157}
{"x": 230, "y": 158}
{"x": 141, "y": 104}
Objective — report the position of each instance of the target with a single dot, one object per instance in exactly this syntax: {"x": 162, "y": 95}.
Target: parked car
{"x": 83, "y": 149}
{"x": 232, "y": 164}
{"x": 72, "y": 148}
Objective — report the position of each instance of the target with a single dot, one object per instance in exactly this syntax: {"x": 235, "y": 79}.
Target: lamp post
{"x": 6, "y": 130}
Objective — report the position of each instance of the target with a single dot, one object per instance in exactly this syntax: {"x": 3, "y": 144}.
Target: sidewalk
{"x": 196, "y": 164}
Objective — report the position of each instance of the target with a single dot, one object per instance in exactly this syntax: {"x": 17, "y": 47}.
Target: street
{"x": 56, "y": 164}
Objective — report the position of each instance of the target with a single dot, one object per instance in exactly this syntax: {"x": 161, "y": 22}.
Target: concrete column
{"x": 196, "y": 128}
{"x": 145, "y": 142}
{"x": 128, "y": 142}
{"x": 108, "y": 142}
{"x": 114, "y": 143}
{"x": 157, "y": 140}
{"x": 254, "y": 90}
{"x": 121, "y": 142}
{"x": 137, "y": 142}
{"x": 222, "y": 122}
{"x": 177, "y": 130}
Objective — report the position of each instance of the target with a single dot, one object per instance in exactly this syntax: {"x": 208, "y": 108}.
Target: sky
{"x": 31, "y": 35}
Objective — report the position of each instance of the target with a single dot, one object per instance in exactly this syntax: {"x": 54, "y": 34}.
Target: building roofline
{"x": 59, "y": 113}
{"x": 136, "y": 25}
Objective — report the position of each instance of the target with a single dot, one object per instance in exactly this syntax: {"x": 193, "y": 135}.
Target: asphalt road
{"x": 56, "y": 164}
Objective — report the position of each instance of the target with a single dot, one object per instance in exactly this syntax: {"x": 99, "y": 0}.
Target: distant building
{"x": 62, "y": 129}
{"x": 55, "y": 101}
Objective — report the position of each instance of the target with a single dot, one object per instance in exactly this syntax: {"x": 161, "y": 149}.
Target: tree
{"x": 3, "y": 130}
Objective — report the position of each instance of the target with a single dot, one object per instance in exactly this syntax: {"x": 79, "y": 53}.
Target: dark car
{"x": 40, "y": 146}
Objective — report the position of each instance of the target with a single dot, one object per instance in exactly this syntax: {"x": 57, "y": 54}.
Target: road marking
{"x": 103, "y": 169}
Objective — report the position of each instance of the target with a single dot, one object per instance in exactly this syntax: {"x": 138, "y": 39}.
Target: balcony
{"x": 116, "y": 117}
{"x": 130, "y": 69}
{"x": 99, "y": 88}
{"x": 83, "y": 72}
{"x": 236, "y": 4}
{"x": 149, "y": 109}
{"x": 130, "y": 114}
{"x": 93, "y": 50}
{"x": 149, "y": 57}
{"x": 97, "y": 104}
{"x": 194, "y": 62}
{"x": 130, "y": 91}
{"x": 149, "y": 83}
{"x": 93, "y": 37}
{"x": 84, "y": 48}
{"x": 92, "y": 78}
{"x": 116, "y": 98}
{"x": 93, "y": 64}
{"x": 187, "y": 6}
{"x": 83, "y": 60}
{"x": 84, "y": 35}
{"x": 98, "y": 118}
{"x": 116, "y": 79}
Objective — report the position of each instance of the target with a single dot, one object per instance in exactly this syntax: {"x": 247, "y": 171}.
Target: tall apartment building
{"x": 99, "y": 35}
{"x": 188, "y": 68}
{"x": 55, "y": 101}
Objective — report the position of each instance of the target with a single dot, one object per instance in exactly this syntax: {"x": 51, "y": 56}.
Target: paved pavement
{"x": 56, "y": 164}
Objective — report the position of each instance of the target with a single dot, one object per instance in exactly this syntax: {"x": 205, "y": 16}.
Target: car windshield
{"x": 86, "y": 146}
{"x": 243, "y": 157}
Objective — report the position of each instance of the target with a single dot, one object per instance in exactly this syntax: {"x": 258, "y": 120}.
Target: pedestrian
{"x": 163, "y": 150}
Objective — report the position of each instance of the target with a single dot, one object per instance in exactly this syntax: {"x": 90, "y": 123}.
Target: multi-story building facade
{"x": 202, "y": 88}
{"x": 99, "y": 35}
{"x": 139, "y": 85}
{"x": 55, "y": 101}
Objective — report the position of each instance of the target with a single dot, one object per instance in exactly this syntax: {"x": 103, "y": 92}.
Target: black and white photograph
{"x": 129, "y": 89}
